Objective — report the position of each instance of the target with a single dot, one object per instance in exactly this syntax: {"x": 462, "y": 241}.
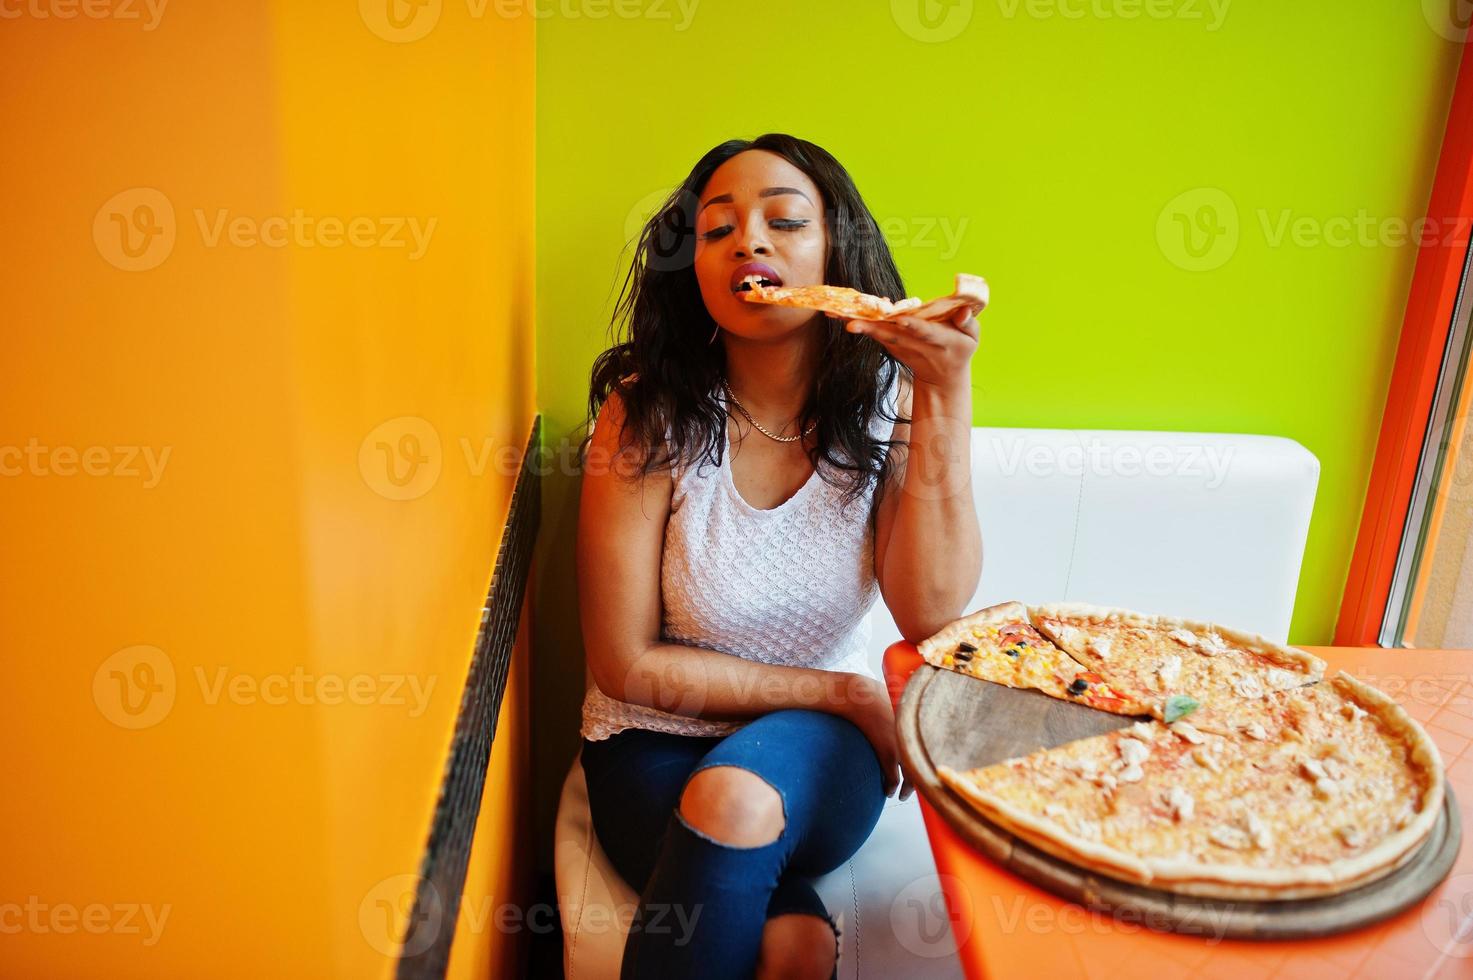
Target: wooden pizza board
{"x": 946, "y": 718}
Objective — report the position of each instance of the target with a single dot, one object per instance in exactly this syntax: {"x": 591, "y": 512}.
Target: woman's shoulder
{"x": 649, "y": 438}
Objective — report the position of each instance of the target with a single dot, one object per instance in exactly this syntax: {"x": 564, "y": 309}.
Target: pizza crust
{"x": 933, "y": 648}
{"x": 971, "y": 292}
{"x": 1285, "y": 656}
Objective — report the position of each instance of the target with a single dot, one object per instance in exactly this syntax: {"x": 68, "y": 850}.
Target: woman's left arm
{"x": 928, "y": 545}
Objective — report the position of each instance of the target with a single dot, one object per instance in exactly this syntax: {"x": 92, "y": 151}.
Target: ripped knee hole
{"x": 733, "y": 806}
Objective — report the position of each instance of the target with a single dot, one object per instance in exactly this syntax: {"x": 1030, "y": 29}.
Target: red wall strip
{"x": 1414, "y": 378}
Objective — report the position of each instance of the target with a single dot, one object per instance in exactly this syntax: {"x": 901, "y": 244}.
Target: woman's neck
{"x": 773, "y": 379}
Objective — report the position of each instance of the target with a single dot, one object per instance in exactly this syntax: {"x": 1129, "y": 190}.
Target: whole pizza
{"x": 1249, "y": 775}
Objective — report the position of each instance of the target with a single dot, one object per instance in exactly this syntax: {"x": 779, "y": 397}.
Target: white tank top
{"x": 791, "y": 585}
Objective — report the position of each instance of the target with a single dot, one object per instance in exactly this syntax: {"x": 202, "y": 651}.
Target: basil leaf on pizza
{"x": 1178, "y": 706}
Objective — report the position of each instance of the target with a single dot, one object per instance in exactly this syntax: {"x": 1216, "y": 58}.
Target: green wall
{"x": 1060, "y": 148}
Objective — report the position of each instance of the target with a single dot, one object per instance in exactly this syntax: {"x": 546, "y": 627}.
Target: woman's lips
{"x": 739, "y": 278}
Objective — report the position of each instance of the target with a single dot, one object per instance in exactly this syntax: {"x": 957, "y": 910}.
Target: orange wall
{"x": 248, "y": 378}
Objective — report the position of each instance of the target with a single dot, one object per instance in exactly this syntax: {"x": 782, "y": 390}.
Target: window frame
{"x": 1406, "y": 425}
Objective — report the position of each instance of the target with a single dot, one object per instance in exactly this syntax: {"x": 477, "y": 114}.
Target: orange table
{"x": 1006, "y": 927}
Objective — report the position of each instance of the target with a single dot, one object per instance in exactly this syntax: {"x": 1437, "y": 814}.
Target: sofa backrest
{"x": 1200, "y": 525}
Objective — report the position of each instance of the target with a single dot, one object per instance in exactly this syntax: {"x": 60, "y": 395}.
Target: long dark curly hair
{"x": 667, "y": 374}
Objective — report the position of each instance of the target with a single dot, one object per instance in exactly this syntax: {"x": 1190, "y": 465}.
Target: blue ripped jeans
{"x": 703, "y": 904}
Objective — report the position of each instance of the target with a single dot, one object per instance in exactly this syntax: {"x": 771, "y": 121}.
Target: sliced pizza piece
{"x": 838, "y": 300}
{"x": 1176, "y": 666}
{"x": 1341, "y": 790}
{"x": 998, "y": 644}
{"x": 971, "y": 293}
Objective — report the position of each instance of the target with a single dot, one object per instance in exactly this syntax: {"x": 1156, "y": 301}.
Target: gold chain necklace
{"x": 758, "y": 425}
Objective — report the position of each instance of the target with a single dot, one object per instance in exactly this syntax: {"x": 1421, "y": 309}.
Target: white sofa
{"x": 1206, "y": 526}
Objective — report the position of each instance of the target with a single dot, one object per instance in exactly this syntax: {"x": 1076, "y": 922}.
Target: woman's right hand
{"x": 866, "y": 705}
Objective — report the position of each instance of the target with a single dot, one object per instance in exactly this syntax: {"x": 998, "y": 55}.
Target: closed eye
{"x": 781, "y": 224}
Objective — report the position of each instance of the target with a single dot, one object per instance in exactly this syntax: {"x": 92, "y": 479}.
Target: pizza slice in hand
{"x": 971, "y": 293}
{"x": 999, "y": 644}
{"x": 840, "y": 301}
{"x": 1176, "y": 666}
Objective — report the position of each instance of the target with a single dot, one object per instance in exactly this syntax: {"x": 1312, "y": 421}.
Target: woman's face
{"x": 759, "y": 209}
